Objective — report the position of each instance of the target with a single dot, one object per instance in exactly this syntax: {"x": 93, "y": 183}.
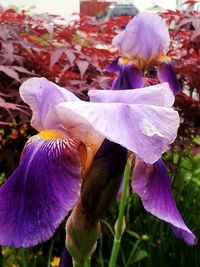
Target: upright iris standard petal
{"x": 166, "y": 73}
{"x": 152, "y": 184}
{"x": 158, "y": 95}
{"x": 42, "y": 95}
{"x": 145, "y": 37}
{"x": 40, "y": 193}
{"x": 129, "y": 76}
{"x": 146, "y": 130}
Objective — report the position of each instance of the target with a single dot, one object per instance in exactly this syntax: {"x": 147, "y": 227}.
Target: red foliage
{"x": 185, "y": 53}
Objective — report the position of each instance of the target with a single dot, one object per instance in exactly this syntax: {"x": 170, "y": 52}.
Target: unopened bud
{"x": 81, "y": 236}
{"x": 144, "y": 237}
{"x": 123, "y": 225}
{"x": 102, "y": 182}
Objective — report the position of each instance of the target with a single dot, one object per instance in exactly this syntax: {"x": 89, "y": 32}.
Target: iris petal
{"x": 41, "y": 95}
{"x": 166, "y": 73}
{"x": 130, "y": 76}
{"x": 152, "y": 184}
{"x": 146, "y": 130}
{"x": 158, "y": 95}
{"x": 65, "y": 259}
{"x": 145, "y": 37}
{"x": 39, "y": 194}
{"x": 113, "y": 67}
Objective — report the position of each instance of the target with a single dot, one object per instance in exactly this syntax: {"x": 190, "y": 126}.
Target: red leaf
{"x": 8, "y": 105}
{"x": 23, "y": 70}
{"x": 70, "y": 55}
{"x": 83, "y": 66}
{"x": 55, "y": 56}
{"x": 10, "y": 72}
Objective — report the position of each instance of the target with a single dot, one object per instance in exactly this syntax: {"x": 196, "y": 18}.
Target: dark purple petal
{"x": 130, "y": 77}
{"x": 39, "y": 194}
{"x": 166, "y": 73}
{"x": 113, "y": 67}
{"x": 65, "y": 259}
{"x": 152, "y": 184}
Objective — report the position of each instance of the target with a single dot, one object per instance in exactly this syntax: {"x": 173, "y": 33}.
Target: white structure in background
{"x": 63, "y": 8}
{"x": 67, "y": 7}
{"x": 144, "y": 4}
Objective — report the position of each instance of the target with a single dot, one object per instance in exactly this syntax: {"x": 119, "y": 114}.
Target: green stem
{"x": 118, "y": 232}
{"x": 82, "y": 264}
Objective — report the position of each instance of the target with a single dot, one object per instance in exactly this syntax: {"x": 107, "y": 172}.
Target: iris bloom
{"x": 143, "y": 46}
{"x": 46, "y": 185}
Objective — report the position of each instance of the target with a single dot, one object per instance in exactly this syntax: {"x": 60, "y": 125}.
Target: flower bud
{"x": 102, "y": 183}
{"x": 81, "y": 235}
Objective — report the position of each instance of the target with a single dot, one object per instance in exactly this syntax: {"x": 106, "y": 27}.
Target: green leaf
{"x": 138, "y": 256}
{"x": 132, "y": 233}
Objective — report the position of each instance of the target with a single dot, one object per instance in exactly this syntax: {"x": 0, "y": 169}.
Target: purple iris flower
{"x": 143, "y": 46}
{"x": 151, "y": 181}
{"x": 46, "y": 185}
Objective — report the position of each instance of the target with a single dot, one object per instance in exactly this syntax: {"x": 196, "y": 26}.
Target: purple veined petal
{"x": 40, "y": 193}
{"x": 130, "y": 76}
{"x": 113, "y": 67}
{"x": 146, "y": 130}
{"x": 158, "y": 95}
{"x": 166, "y": 73}
{"x": 41, "y": 95}
{"x": 152, "y": 184}
{"x": 146, "y": 37}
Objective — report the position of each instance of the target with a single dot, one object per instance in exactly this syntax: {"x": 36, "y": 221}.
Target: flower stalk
{"x": 82, "y": 264}
{"x": 119, "y": 228}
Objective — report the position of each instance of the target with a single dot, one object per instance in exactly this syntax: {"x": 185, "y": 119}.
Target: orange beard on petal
{"x": 51, "y": 134}
{"x": 86, "y": 151}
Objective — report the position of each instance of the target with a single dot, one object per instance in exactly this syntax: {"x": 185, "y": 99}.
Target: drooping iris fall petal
{"x": 152, "y": 184}
{"x": 40, "y": 193}
{"x": 129, "y": 76}
{"x": 145, "y": 37}
{"x": 113, "y": 67}
{"x": 166, "y": 73}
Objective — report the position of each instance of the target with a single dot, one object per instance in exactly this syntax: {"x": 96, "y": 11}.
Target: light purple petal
{"x": 41, "y": 95}
{"x": 152, "y": 184}
{"x": 130, "y": 76}
{"x": 146, "y": 130}
{"x": 166, "y": 73}
{"x": 40, "y": 193}
{"x": 158, "y": 95}
{"x": 145, "y": 37}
